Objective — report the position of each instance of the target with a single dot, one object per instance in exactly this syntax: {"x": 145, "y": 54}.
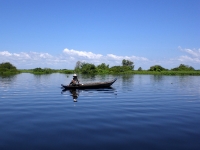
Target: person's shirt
{"x": 74, "y": 82}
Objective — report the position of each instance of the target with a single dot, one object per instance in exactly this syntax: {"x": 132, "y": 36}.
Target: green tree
{"x": 140, "y": 69}
{"x": 103, "y": 68}
{"x": 128, "y": 63}
{"x": 157, "y": 68}
{"x": 8, "y": 68}
{"x": 37, "y": 70}
{"x": 7, "y": 65}
{"x": 78, "y": 66}
{"x": 119, "y": 69}
{"x": 87, "y": 68}
{"x": 43, "y": 71}
{"x": 183, "y": 67}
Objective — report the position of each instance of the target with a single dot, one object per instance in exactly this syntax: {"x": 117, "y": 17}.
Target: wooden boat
{"x": 90, "y": 85}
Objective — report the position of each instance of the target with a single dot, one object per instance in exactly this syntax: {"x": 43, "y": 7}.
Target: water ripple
{"x": 138, "y": 112}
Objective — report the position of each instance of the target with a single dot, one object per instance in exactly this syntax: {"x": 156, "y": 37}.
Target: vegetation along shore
{"x": 127, "y": 67}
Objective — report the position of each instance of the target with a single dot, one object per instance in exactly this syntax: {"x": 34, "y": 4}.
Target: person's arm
{"x": 71, "y": 82}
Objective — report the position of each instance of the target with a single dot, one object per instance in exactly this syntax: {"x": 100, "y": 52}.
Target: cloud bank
{"x": 88, "y": 55}
{"x": 193, "y": 55}
{"x": 68, "y": 58}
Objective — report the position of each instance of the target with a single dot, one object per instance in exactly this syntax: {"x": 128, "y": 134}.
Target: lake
{"x": 137, "y": 112}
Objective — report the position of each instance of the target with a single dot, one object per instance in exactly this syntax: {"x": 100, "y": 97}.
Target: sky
{"x": 58, "y": 33}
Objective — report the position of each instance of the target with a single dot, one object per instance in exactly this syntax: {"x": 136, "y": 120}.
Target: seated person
{"x": 74, "y": 81}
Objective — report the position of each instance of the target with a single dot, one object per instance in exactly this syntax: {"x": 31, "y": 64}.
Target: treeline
{"x": 127, "y": 67}
{"x": 181, "y": 67}
{"x": 159, "y": 70}
{"x": 88, "y": 68}
{"x": 7, "y": 69}
{"x": 47, "y": 71}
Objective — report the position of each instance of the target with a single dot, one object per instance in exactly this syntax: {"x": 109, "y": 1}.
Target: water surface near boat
{"x": 137, "y": 112}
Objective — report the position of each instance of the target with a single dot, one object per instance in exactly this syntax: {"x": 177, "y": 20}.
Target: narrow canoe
{"x": 90, "y": 85}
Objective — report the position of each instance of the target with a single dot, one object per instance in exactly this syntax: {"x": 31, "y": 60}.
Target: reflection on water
{"x": 9, "y": 78}
{"x": 75, "y": 93}
{"x": 137, "y": 112}
{"x": 127, "y": 79}
{"x": 158, "y": 78}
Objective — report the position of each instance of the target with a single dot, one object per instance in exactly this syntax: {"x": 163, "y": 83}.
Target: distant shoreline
{"x": 7, "y": 69}
{"x": 144, "y": 72}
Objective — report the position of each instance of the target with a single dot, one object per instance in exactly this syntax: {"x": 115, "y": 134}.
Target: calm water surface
{"x": 138, "y": 112}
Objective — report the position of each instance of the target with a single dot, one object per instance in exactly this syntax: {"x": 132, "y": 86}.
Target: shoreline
{"x": 144, "y": 72}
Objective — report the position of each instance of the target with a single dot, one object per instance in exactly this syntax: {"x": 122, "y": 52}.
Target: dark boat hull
{"x": 90, "y": 85}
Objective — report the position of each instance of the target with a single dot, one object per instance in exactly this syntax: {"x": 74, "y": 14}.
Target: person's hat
{"x": 74, "y": 75}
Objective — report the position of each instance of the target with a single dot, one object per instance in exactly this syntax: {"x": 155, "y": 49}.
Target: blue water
{"x": 138, "y": 112}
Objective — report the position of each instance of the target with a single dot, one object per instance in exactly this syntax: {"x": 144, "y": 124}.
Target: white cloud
{"x": 185, "y": 58}
{"x": 5, "y": 53}
{"x": 133, "y": 58}
{"x": 25, "y": 55}
{"x": 68, "y": 59}
{"x": 88, "y": 55}
{"x": 114, "y": 57}
{"x": 192, "y": 52}
{"x": 45, "y": 55}
{"x": 16, "y": 54}
{"x": 96, "y": 59}
{"x": 194, "y": 55}
{"x": 24, "y": 59}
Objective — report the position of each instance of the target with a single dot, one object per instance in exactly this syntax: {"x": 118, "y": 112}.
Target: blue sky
{"x": 58, "y": 33}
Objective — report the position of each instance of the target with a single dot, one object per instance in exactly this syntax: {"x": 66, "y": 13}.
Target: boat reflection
{"x": 74, "y": 93}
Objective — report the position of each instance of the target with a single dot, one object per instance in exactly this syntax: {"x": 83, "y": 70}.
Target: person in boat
{"x": 74, "y": 81}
